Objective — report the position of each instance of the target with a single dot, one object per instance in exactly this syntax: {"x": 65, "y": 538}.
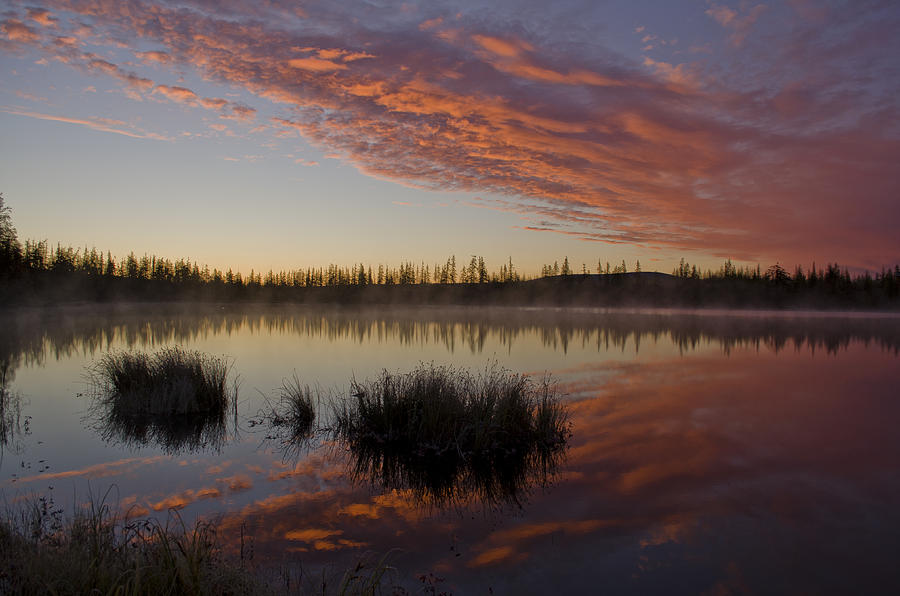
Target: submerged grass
{"x": 450, "y": 435}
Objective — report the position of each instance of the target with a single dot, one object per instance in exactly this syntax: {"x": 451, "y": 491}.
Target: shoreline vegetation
{"x": 38, "y": 274}
{"x": 97, "y": 550}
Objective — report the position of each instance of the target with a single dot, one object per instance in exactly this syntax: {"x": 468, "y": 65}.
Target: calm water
{"x": 710, "y": 454}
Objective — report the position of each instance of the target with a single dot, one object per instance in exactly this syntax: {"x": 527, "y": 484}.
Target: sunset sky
{"x": 280, "y": 134}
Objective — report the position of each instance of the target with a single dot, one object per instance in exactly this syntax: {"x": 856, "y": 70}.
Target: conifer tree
{"x": 10, "y": 249}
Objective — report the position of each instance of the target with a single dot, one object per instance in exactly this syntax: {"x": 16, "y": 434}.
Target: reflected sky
{"x": 710, "y": 454}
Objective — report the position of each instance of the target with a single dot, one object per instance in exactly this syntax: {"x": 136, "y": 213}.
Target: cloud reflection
{"x": 705, "y": 471}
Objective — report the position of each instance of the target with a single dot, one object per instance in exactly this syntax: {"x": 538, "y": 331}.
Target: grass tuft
{"x": 176, "y": 398}
{"x": 292, "y": 419}
{"x": 171, "y": 381}
{"x": 450, "y": 435}
{"x": 295, "y": 409}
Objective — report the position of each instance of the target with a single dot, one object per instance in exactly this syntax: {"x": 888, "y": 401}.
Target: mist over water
{"x": 710, "y": 451}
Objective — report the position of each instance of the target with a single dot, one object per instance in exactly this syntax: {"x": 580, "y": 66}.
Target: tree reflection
{"x": 36, "y": 335}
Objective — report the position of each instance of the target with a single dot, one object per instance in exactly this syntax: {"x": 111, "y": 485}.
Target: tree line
{"x": 38, "y": 263}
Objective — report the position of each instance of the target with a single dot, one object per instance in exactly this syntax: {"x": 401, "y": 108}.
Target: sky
{"x": 281, "y": 134}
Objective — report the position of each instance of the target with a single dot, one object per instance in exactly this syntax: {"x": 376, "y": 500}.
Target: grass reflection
{"x": 13, "y": 426}
{"x": 291, "y": 420}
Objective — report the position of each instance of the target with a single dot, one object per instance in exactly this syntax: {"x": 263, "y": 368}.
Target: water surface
{"x": 711, "y": 453}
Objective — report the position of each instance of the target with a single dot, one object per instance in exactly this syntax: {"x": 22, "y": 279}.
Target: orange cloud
{"x": 16, "y": 30}
{"x": 185, "y": 498}
{"x": 502, "y": 47}
{"x": 237, "y": 483}
{"x": 492, "y": 556}
{"x": 154, "y": 56}
{"x": 42, "y": 16}
{"x": 240, "y": 112}
{"x": 316, "y": 64}
{"x": 177, "y": 94}
{"x": 213, "y": 103}
{"x": 360, "y": 510}
{"x": 311, "y": 534}
{"x": 113, "y": 468}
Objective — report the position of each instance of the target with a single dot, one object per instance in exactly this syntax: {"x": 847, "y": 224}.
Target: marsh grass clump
{"x": 175, "y": 397}
{"x": 171, "y": 381}
{"x": 295, "y": 410}
{"x": 450, "y": 435}
{"x": 292, "y": 419}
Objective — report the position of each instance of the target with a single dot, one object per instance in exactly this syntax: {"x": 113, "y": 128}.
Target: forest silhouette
{"x": 36, "y": 273}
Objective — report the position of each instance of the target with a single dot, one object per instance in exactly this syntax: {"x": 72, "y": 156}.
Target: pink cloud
{"x": 177, "y": 94}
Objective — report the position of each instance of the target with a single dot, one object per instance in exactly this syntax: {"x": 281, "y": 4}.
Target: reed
{"x": 175, "y": 398}
{"x": 171, "y": 381}
{"x": 295, "y": 410}
{"x": 450, "y": 435}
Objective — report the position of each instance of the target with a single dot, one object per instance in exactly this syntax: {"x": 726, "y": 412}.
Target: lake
{"x": 710, "y": 452}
